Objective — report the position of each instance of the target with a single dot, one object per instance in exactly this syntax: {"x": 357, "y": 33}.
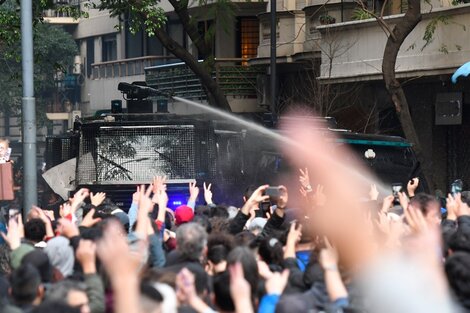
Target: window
{"x": 90, "y": 54}
{"x": 109, "y": 45}
{"x": 207, "y": 27}
{"x": 249, "y": 41}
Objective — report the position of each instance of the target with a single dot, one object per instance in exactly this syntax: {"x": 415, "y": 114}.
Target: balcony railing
{"x": 128, "y": 67}
{"x": 235, "y": 79}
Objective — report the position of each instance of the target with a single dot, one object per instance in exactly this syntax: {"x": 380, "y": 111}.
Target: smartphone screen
{"x": 13, "y": 213}
{"x": 456, "y": 187}
{"x": 396, "y": 188}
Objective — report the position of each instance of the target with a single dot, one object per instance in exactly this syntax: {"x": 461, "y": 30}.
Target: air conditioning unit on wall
{"x": 448, "y": 108}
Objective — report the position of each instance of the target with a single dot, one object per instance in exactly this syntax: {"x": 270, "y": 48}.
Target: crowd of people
{"x": 90, "y": 256}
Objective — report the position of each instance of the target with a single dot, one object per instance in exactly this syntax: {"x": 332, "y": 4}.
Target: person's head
{"x": 40, "y": 261}
{"x": 246, "y": 258}
{"x": 245, "y": 238}
{"x": 457, "y": 269}
{"x": 191, "y": 239}
{"x": 429, "y": 206}
{"x": 222, "y": 298}
{"x": 219, "y": 211}
{"x": 203, "y": 220}
{"x": 25, "y": 285}
{"x": 35, "y": 230}
{"x": 248, "y": 192}
{"x": 465, "y": 196}
{"x": 183, "y": 214}
{"x": 219, "y": 246}
{"x": 73, "y": 293}
{"x": 60, "y": 254}
{"x": 459, "y": 240}
{"x": 270, "y": 249}
{"x": 4, "y": 145}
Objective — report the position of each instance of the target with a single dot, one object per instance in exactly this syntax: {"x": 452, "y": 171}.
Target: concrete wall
{"x": 357, "y": 47}
{"x": 291, "y": 30}
{"x": 102, "y": 91}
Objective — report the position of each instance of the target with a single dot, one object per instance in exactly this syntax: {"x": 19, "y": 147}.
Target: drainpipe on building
{"x": 273, "y": 61}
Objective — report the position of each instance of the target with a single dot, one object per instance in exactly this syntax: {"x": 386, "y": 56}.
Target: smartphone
{"x": 273, "y": 192}
{"x": 264, "y": 209}
{"x": 396, "y": 188}
{"x": 13, "y": 214}
{"x": 456, "y": 187}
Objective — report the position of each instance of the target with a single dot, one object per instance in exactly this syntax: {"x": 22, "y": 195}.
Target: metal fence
{"x": 136, "y": 152}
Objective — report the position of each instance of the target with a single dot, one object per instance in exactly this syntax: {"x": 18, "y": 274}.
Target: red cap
{"x": 183, "y": 214}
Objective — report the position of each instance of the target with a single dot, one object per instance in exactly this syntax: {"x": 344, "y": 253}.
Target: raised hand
{"x": 97, "y": 199}
{"x": 453, "y": 206}
{"x": 295, "y": 233}
{"x": 328, "y": 257}
{"x": 240, "y": 289}
{"x": 319, "y": 198}
{"x": 39, "y": 213}
{"x": 118, "y": 258}
{"x": 86, "y": 255}
{"x": 412, "y": 186}
{"x": 89, "y": 220}
{"x": 208, "y": 193}
{"x": 78, "y": 198}
{"x": 403, "y": 199}
{"x": 304, "y": 179}
{"x": 136, "y": 196}
{"x": 276, "y": 284}
{"x": 373, "y": 192}
{"x": 256, "y": 197}
{"x": 13, "y": 235}
{"x": 387, "y": 203}
{"x": 122, "y": 265}
{"x": 193, "y": 191}
{"x": 66, "y": 228}
{"x": 159, "y": 183}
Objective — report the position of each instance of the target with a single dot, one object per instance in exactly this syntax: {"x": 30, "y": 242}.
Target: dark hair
{"x": 218, "y": 247}
{"x": 250, "y": 267}
{"x": 219, "y": 224}
{"x": 457, "y": 268}
{"x": 245, "y": 238}
{"x": 202, "y": 210}
{"x": 203, "y": 220}
{"x": 25, "y": 281}
{"x": 465, "y": 196}
{"x": 459, "y": 241}
{"x": 271, "y": 251}
{"x": 223, "y": 299}
{"x": 249, "y": 191}
{"x": 40, "y": 261}
{"x": 424, "y": 202}
{"x": 35, "y": 230}
{"x": 219, "y": 211}
{"x": 55, "y": 307}
{"x": 147, "y": 290}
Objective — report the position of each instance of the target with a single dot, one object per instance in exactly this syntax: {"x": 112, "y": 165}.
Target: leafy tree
{"x": 396, "y": 35}
{"x": 147, "y": 15}
{"x": 54, "y": 50}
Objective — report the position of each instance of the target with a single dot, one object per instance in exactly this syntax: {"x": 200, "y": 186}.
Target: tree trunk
{"x": 399, "y": 33}
{"x": 215, "y": 95}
